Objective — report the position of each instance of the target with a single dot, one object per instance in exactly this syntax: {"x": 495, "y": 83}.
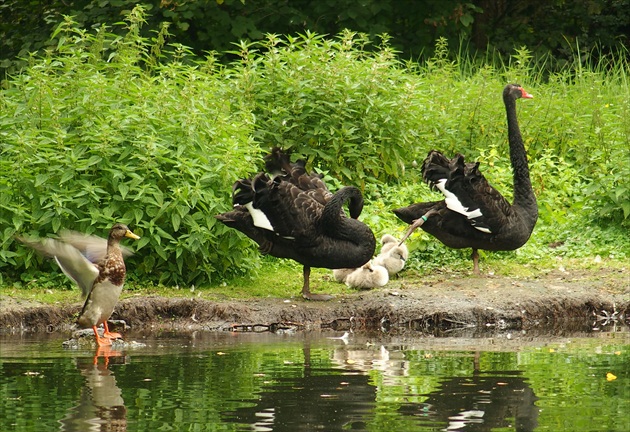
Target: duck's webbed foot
{"x": 101, "y": 341}
{"x": 110, "y": 335}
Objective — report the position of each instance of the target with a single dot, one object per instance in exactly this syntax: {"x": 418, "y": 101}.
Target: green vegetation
{"x": 552, "y": 26}
{"x": 105, "y": 128}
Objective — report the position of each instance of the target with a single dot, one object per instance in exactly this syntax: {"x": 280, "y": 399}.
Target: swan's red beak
{"x": 526, "y": 95}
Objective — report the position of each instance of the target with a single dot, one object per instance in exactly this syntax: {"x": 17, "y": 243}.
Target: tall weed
{"x": 90, "y": 136}
{"x": 106, "y": 128}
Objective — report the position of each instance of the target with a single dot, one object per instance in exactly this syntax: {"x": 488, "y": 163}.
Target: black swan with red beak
{"x": 473, "y": 214}
{"x": 294, "y": 215}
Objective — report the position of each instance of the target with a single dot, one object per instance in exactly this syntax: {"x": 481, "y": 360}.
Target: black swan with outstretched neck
{"x": 473, "y": 214}
{"x": 293, "y": 215}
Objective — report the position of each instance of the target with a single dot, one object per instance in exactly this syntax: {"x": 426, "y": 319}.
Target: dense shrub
{"x": 105, "y": 128}
{"x": 91, "y": 136}
{"x": 330, "y": 100}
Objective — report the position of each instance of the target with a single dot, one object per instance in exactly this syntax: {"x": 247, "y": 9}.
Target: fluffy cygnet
{"x": 368, "y": 276}
{"x": 341, "y": 274}
{"x": 393, "y": 260}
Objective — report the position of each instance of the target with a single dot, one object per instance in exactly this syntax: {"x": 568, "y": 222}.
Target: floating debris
{"x": 279, "y": 327}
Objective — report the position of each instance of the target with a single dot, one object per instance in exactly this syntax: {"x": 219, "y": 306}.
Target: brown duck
{"x": 97, "y": 266}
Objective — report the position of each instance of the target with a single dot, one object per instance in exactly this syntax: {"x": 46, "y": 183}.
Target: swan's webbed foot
{"x": 306, "y": 289}
{"x": 475, "y": 258}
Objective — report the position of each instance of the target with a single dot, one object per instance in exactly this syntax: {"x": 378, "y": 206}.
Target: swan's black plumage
{"x": 303, "y": 220}
{"x": 473, "y": 213}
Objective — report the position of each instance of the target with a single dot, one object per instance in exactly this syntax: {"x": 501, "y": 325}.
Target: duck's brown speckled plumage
{"x": 98, "y": 267}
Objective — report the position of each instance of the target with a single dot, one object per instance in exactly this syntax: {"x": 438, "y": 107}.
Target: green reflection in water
{"x": 228, "y": 382}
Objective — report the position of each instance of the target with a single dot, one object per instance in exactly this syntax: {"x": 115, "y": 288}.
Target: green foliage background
{"x": 552, "y": 26}
{"x": 108, "y": 128}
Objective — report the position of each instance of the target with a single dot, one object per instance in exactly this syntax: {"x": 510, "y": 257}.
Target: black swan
{"x": 97, "y": 266}
{"x": 293, "y": 215}
{"x": 473, "y": 214}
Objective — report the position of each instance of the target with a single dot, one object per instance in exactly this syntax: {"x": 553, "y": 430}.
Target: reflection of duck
{"x": 101, "y": 406}
{"x": 97, "y": 266}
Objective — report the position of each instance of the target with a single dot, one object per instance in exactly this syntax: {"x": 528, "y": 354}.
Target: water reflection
{"x": 315, "y": 399}
{"x": 347, "y": 399}
{"x": 482, "y": 402}
{"x": 301, "y": 382}
{"x": 100, "y": 406}
{"x": 391, "y": 363}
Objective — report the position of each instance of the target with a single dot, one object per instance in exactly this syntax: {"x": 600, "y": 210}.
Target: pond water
{"x": 317, "y": 382}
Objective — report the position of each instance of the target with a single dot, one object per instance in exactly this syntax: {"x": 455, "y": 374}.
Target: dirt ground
{"x": 438, "y": 303}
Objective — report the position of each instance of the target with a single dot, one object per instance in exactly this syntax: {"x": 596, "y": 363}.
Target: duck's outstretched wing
{"x": 70, "y": 259}
{"x": 92, "y": 247}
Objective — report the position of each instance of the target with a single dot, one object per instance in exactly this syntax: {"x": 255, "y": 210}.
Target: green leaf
{"x": 466, "y": 20}
{"x": 176, "y": 220}
{"x": 123, "y": 188}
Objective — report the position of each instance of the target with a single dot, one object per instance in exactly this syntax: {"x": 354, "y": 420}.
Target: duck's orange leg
{"x": 109, "y": 335}
{"x": 101, "y": 341}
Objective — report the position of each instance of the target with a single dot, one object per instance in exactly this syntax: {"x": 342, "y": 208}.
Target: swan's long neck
{"x": 523, "y": 193}
{"x": 331, "y": 215}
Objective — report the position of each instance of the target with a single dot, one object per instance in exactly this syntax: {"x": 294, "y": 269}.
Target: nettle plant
{"x": 100, "y": 131}
{"x": 105, "y": 128}
{"x": 342, "y": 103}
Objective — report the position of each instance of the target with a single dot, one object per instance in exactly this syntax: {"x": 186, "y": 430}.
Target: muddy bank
{"x": 438, "y": 302}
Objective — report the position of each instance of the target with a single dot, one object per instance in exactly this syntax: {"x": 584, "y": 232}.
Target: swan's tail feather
{"x": 435, "y": 168}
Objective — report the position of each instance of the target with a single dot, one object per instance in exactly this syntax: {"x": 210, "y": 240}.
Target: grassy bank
{"x": 283, "y": 280}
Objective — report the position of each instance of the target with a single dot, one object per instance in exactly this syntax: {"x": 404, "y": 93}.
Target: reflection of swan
{"x": 311, "y": 399}
{"x": 101, "y": 406}
{"x": 365, "y": 359}
{"x": 483, "y": 401}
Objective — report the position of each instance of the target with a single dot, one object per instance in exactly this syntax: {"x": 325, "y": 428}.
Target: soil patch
{"x": 437, "y": 303}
